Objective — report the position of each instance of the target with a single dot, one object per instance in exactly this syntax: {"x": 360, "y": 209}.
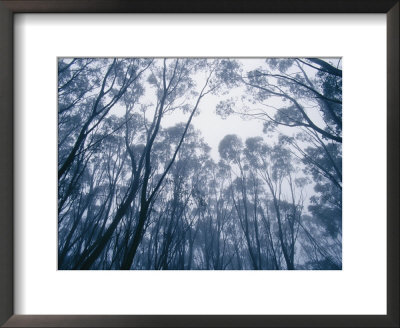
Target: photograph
{"x": 185, "y": 163}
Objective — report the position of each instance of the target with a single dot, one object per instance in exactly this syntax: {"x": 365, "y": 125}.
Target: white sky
{"x": 213, "y": 128}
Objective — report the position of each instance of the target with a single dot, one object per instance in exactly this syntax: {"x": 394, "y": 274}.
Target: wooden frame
{"x": 7, "y": 10}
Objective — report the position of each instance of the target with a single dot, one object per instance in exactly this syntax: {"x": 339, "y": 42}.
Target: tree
{"x": 172, "y": 81}
{"x": 303, "y": 99}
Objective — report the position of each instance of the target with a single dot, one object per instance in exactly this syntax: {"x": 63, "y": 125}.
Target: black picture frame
{"x": 10, "y": 7}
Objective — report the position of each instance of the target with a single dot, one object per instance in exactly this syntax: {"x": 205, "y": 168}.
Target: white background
{"x": 360, "y": 288}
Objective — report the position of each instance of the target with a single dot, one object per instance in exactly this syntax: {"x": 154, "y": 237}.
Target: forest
{"x": 143, "y": 185}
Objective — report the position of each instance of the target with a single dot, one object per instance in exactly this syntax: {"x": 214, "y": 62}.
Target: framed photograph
{"x": 208, "y": 164}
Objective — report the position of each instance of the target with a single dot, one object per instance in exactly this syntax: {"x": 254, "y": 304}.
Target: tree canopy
{"x": 137, "y": 193}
